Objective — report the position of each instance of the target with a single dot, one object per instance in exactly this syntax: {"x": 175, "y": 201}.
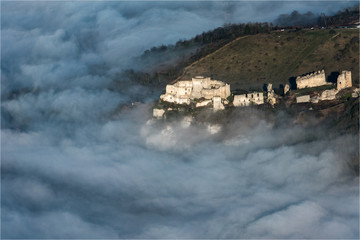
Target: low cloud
{"x": 80, "y": 161}
{"x": 131, "y": 177}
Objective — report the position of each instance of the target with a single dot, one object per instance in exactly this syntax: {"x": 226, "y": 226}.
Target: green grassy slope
{"x": 251, "y": 61}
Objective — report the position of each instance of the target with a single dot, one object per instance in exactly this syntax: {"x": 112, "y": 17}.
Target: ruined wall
{"x": 217, "y": 104}
{"x": 311, "y": 80}
{"x": 225, "y": 91}
{"x": 216, "y": 92}
{"x": 174, "y": 99}
{"x": 214, "y": 88}
{"x": 203, "y": 103}
{"x": 271, "y": 96}
{"x": 179, "y": 89}
{"x": 344, "y": 80}
{"x": 328, "y": 95}
{"x": 241, "y": 100}
{"x": 303, "y": 99}
{"x": 197, "y": 86}
{"x": 256, "y": 98}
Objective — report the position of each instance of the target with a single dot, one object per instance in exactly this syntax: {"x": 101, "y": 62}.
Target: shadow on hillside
{"x": 264, "y": 87}
{"x": 292, "y": 82}
{"x": 333, "y": 77}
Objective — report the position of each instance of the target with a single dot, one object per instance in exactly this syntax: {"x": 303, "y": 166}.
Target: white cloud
{"x": 76, "y": 163}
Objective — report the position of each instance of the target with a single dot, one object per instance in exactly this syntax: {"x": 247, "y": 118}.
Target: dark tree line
{"x": 346, "y": 17}
{"x": 228, "y": 32}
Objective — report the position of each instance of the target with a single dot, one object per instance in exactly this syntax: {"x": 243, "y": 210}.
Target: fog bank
{"x": 80, "y": 161}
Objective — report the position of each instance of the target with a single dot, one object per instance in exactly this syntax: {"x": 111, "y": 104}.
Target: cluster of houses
{"x": 204, "y": 91}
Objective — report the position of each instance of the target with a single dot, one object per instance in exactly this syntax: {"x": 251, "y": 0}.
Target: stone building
{"x": 207, "y": 88}
{"x": 179, "y": 92}
{"x": 217, "y": 104}
{"x": 311, "y": 80}
{"x": 344, "y": 80}
{"x": 182, "y": 92}
{"x": 255, "y": 98}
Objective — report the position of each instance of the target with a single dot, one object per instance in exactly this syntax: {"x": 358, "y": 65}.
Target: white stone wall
{"x": 197, "y": 87}
{"x": 256, "y": 98}
{"x": 179, "y": 90}
{"x": 210, "y": 93}
{"x": 217, "y": 104}
{"x": 184, "y": 84}
{"x": 344, "y": 80}
{"x": 241, "y": 100}
{"x": 203, "y": 103}
{"x": 174, "y": 99}
{"x": 167, "y": 98}
{"x": 303, "y": 99}
{"x": 311, "y": 80}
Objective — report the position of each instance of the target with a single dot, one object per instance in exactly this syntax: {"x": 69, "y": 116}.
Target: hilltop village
{"x": 204, "y": 92}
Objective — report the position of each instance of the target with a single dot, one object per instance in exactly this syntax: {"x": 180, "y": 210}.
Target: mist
{"x": 80, "y": 160}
